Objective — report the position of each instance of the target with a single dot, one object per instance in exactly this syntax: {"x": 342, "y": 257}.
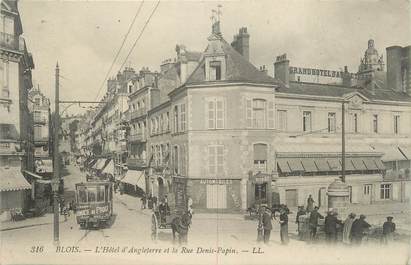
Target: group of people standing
{"x": 353, "y": 229}
{"x": 265, "y": 216}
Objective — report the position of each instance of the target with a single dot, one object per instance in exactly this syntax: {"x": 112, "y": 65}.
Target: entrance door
{"x": 260, "y": 193}
{"x": 216, "y": 196}
{"x": 367, "y": 191}
{"x": 291, "y": 198}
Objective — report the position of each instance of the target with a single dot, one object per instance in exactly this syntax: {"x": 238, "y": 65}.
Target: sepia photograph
{"x": 205, "y": 132}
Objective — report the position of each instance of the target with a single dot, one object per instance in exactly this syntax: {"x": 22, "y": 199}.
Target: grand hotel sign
{"x": 318, "y": 72}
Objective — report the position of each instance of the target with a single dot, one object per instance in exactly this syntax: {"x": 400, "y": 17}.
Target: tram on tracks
{"x": 94, "y": 203}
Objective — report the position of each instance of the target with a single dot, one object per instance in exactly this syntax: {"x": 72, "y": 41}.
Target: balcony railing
{"x": 139, "y": 137}
{"x": 12, "y": 42}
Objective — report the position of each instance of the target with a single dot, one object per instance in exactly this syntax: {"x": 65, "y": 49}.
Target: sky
{"x": 84, "y": 36}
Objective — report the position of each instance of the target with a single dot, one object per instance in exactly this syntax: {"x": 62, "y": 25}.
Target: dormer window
{"x": 215, "y": 70}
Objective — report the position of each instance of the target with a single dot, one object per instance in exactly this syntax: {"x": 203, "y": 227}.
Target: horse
{"x": 181, "y": 224}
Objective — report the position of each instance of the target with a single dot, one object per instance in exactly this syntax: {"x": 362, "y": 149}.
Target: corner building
{"x": 222, "y": 122}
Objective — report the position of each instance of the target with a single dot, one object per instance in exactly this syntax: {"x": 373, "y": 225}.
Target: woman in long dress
{"x": 347, "y": 228}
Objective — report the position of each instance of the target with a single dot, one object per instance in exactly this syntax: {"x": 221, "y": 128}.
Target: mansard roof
{"x": 238, "y": 69}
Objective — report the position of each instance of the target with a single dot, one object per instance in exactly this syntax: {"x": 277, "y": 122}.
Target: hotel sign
{"x": 318, "y": 72}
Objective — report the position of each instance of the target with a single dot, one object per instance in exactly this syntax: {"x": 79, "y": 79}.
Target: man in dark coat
{"x": 358, "y": 228}
{"x": 330, "y": 226}
{"x": 300, "y": 212}
{"x": 267, "y": 225}
{"x": 284, "y": 226}
{"x": 313, "y": 223}
{"x": 388, "y": 229}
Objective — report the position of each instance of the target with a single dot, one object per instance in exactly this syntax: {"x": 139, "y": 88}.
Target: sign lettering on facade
{"x": 216, "y": 181}
{"x": 319, "y": 72}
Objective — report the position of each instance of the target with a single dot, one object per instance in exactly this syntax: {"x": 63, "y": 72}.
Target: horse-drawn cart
{"x": 172, "y": 211}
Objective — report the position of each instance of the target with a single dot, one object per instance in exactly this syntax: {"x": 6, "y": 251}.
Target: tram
{"x": 94, "y": 204}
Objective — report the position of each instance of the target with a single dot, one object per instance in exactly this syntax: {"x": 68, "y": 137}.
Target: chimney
{"x": 394, "y": 76}
{"x": 281, "y": 69}
{"x": 346, "y": 77}
{"x": 241, "y": 43}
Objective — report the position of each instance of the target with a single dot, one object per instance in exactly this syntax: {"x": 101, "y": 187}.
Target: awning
{"x": 39, "y": 178}
{"x": 322, "y": 148}
{"x": 358, "y": 163}
{"x": 334, "y": 164}
{"x": 322, "y": 165}
{"x": 348, "y": 164}
{"x": 295, "y": 164}
{"x": 135, "y": 177}
{"x": 390, "y": 152}
{"x": 282, "y": 164}
{"x": 309, "y": 165}
{"x": 109, "y": 169}
{"x": 370, "y": 164}
{"x": 12, "y": 179}
{"x": 100, "y": 163}
{"x": 406, "y": 150}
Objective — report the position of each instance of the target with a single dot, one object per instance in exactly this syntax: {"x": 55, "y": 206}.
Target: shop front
{"x": 260, "y": 191}
{"x": 215, "y": 194}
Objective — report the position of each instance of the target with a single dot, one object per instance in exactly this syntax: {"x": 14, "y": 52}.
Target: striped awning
{"x": 11, "y": 179}
{"x": 390, "y": 152}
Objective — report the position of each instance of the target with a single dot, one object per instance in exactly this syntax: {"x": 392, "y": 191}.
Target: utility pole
{"x": 56, "y": 178}
{"x": 343, "y": 142}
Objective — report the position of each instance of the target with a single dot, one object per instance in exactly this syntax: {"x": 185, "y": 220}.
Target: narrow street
{"x": 131, "y": 227}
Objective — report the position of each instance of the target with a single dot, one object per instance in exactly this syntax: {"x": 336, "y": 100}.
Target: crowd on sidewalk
{"x": 351, "y": 231}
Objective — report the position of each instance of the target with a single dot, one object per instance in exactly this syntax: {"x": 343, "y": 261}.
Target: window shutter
{"x": 182, "y": 117}
{"x": 219, "y": 114}
{"x": 211, "y": 114}
{"x": 249, "y": 113}
{"x": 220, "y": 159}
{"x": 271, "y": 115}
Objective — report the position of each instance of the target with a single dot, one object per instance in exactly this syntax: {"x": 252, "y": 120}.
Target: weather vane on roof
{"x": 216, "y": 14}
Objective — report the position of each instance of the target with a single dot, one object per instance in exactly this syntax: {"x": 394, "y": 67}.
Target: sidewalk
{"x": 134, "y": 203}
{"x": 30, "y": 222}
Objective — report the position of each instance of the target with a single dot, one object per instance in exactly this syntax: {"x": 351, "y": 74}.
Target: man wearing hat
{"x": 358, "y": 228}
{"x": 313, "y": 222}
{"x": 347, "y": 228}
{"x": 330, "y": 226}
{"x": 267, "y": 225}
{"x": 388, "y": 229}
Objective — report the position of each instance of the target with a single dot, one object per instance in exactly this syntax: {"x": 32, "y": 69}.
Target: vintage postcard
{"x": 205, "y": 132}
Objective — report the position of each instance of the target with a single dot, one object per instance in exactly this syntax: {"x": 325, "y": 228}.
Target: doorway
{"x": 216, "y": 196}
{"x": 291, "y": 197}
{"x": 260, "y": 193}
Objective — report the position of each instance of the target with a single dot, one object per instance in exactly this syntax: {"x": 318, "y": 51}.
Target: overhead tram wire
{"x": 121, "y": 47}
{"x": 141, "y": 33}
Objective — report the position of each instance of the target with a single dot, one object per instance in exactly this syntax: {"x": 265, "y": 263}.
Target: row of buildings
{"x": 241, "y": 136}
{"x": 24, "y": 122}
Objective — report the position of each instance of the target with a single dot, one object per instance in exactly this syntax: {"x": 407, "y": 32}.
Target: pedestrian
{"x": 330, "y": 226}
{"x": 300, "y": 212}
{"x": 260, "y": 226}
{"x": 62, "y": 205}
{"x": 313, "y": 223}
{"x": 143, "y": 201}
{"x": 284, "y": 226}
{"x": 310, "y": 203}
{"x": 388, "y": 229}
{"x": 267, "y": 225}
{"x": 358, "y": 229}
{"x": 347, "y": 228}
